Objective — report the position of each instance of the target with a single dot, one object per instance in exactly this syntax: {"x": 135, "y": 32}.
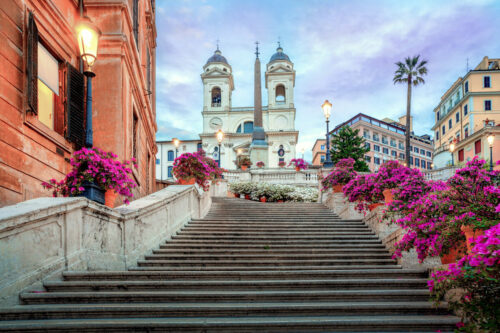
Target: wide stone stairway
{"x": 245, "y": 267}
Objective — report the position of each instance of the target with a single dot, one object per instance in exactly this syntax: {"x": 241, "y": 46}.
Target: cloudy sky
{"x": 343, "y": 51}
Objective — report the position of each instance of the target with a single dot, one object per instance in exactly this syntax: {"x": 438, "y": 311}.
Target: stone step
{"x": 257, "y": 252}
{"x": 258, "y": 238}
{"x": 266, "y": 245}
{"x": 286, "y": 224}
{"x": 271, "y": 234}
{"x": 260, "y": 268}
{"x": 268, "y": 256}
{"x": 381, "y": 272}
{"x": 225, "y": 295}
{"x": 415, "y": 323}
{"x": 175, "y": 310}
{"x": 288, "y": 284}
{"x": 264, "y": 263}
{"x": 218, "y": 227}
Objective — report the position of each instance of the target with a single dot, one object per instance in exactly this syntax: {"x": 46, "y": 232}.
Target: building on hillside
{"x": 237, "y": 123}
{"x": 43, "y": 90}
{"x": 319, "y": 152}
{"x": 167, "y": 153}
{"x": 386, "y": 141}
{"x": 466, "y": 112}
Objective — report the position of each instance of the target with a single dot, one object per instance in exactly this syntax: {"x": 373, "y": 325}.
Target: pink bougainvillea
{"x": 342, "y": 174}
{"x": 94, "y": 165}
{"x": 198, "y": 166}
{"x": 298, "y": 163}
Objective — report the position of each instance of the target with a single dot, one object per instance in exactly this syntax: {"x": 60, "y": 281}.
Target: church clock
{"x": 215, "y": 123}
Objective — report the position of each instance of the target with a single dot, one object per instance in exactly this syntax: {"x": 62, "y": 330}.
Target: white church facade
{"x": 237, "y": 123}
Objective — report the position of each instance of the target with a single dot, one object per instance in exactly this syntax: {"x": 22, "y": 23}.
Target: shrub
{"x": 244, "y": 161}
{"x": 93, "y": 165}
{"x": 196, "y": 165}
{"x": 342, "y": 174}
{"x": 274, "y": 192}
{"x": 260, "y": 164}
{"x": 362, "y": 190}
{"x": 298, "y": 163}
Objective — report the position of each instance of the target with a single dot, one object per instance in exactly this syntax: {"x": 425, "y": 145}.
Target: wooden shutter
{"x": 59, "y": 109}
{"x": 461, "y": 155}
{"x": 32, "y": 65}
{"x": 477, "y": 147}
{"x": 75, "y": 112}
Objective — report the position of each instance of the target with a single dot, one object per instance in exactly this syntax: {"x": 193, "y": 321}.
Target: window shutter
{"x": 32, "y": 65}
{"x": 75, "y": 113}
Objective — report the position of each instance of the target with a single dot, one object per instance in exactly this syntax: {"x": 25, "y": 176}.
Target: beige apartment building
{"x": 319, "y": 152}
{"x": 386, "y": 141}
{"x": 469, "y": 111}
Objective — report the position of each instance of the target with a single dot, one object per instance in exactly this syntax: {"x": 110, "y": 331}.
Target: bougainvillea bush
{"x": 260, "y": 164}
{"x": 362, "y": 190}
{"x": 198, "y": 166}
{"x": 94, "y": 165}
{"x": 433, "y": 220}
{"x": 298, "y": 163}
{"x": 342, "y": 174}
{"x": 475, "y": 281}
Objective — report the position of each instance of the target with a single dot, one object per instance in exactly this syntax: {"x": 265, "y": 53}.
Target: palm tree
{"x": 411, "y": 72}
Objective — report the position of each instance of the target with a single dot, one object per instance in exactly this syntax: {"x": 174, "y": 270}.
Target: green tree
{"x": 347, "y": 143}
{"x": 410, "y": 72}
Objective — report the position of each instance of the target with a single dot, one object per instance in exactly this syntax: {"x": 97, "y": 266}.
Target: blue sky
{"x": 343, "y": 51}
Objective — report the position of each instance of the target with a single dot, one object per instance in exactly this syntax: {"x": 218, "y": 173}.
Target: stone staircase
{"x": 245, "y": 267}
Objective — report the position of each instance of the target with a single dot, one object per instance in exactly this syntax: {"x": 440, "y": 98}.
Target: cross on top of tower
{"x": 217, "y": 44}
{"x": 257, "y": 49}
{"x": 279, "y": 42}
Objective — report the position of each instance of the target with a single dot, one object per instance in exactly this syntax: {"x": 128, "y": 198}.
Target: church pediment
{"x": 279, "y": 69}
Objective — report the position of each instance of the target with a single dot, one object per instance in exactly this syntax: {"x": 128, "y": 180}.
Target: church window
{"x": 248, "y": 127}
{"x": 170, "y": 155}
{"x": 280, "y": 94}
{"x": 216, "y": 96}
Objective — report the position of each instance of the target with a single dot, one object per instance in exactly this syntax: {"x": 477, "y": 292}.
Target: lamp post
{"x": 491, "y": 139}
{"x": 88, "y": 38}
{"x": 452, "y": 149}
{"x": 220, "y": 137}
{"x": 176, "y": 144}
{"x": 327, "y": 108}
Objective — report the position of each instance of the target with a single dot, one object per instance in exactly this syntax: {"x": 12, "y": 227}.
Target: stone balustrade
{"x": 308, "y": 177}
{"x": 42, "y": 237}
{"x": 440, "y": 174}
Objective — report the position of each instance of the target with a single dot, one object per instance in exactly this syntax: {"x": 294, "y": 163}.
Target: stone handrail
{"x": 44, "y": 236}
{"x": 308, "y": 177}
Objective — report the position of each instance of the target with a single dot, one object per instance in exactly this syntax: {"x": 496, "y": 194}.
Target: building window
{"x": 384, "y": 140}
{"x": 385, "y": 150}
{"x": 401, "y": 156}
{"x": 157, "y": 161}
{"x": 422, "y": 152}
{"x": 477, "y": 147}
{"x": 417, "y": 162}
{"x": 423, "y": 164}
{"x": 411, "y": 160}
{"x": 429, "y": 154}
{"x": 376, "y": 148}
{"x": 375, "y": 137}
{"x": 376, "y": 160}
{"x": 437, "y": 135}
{"x": 437, "y": 115}
{"x": 366, "y": 134}
{"x": 247, "y": 127}
{"x": 450, "y": 123}
{"x": 394, "y": 153}
{"x": 465, "y": 110}
{"x": 461, "y": 155}
{"x": 393, "y": 143}
{"x": 49, "y": 106}
{"x": 170, "y": 171}
{"x": 457, "y": 117}
{"x": 444, "y": 129}
{"x": 401, "y": 146}
{"x": 170, "y": 155}
{"x": 466, "y": 86}
{"x": 135, "y": 136}
{"x": 367, "y": 145}
{"x": 466, "y": 130}
{"x": 368, "y": 159}
{"x": 135, "y": 23}
{"x": 148, "y": 71}
{"x": 280, "y": 94}
{"x": 216, "y": 97}
{"x": 322, "y": 158}
{"x": 486, "y": 82}
{"x": 199, "y": 146}
{"x": 322, "y": 147}
{"x": 487, "y": 105}
{"x": 416, "y": 150}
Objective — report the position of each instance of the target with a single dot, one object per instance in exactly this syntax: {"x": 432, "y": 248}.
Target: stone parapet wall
{"x": 45, "y": 236}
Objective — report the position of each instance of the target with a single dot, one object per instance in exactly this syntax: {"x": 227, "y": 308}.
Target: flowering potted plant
{"x": 281, "y": 164}
{"x": 476, "y": 278}
{"x": 342, "y": 174}
{"x": 362, "y": 190}
{"x": 190, "y": 168}
{"x": 95, "y": 171}
{"x": 260, "y": 164}
{"x": 299, "y": 164}
{"x": 244, "y": 162}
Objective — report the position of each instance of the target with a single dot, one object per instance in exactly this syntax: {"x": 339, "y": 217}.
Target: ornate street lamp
{"x": 220, "y": 137}
{"x": 176, "y": 144}
{"x": 452, "y": 149}
{"x": 327, "y": 108}
{"x": 491, "y": 140}
{"x": 88, "y": 38}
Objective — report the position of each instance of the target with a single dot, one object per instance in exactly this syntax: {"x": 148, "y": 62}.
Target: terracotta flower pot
{"x": 280, "y": 200}
{"x": 454, "y": 254}
{"x": 337, "y": 188}
{"x": 374, "y": 205}
{"x": 189, "y": 181}
{"x": 247, "y": 196}
{"x": 297, "y": 169}
{"x": 388, "y": 196}
{"x": 244, "y": 167}
{"x": 231, "y": 195}
{"x": 470, "y": 233}
{"x": 263, "y": 199}
{"x": 110, "y": 198}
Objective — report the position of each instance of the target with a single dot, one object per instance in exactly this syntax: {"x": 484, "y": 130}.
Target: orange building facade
{"x": 42, "y": 90}
{"x": 319, "y": 152}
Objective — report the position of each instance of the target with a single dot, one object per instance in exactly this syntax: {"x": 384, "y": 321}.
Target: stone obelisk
{"x": 259, "y": 147}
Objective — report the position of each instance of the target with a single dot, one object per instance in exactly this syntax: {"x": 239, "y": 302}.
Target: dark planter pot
{"x": 93, "y": 192}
